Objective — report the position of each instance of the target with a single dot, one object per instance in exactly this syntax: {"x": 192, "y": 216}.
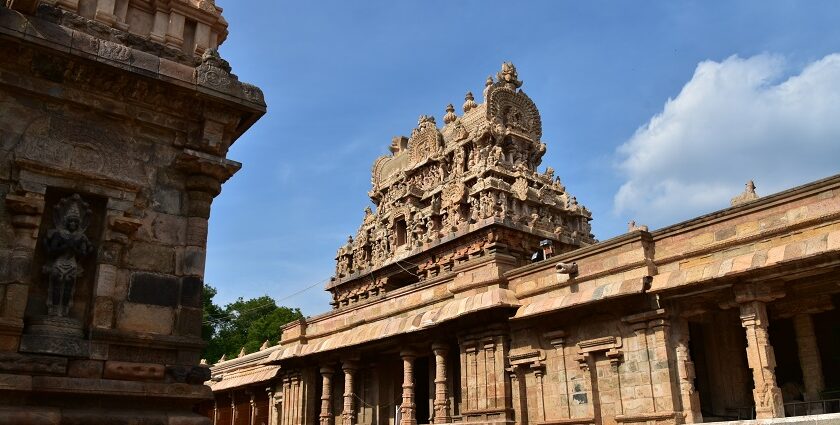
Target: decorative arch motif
{"x": 425, "y": 140}
{"x": 514, "y": 110}
{"x": 376, "y": 170}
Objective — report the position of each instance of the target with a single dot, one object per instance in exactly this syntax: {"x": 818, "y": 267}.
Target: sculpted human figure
{"x": 66, "y": 244}
{"x": 496, "y": 156}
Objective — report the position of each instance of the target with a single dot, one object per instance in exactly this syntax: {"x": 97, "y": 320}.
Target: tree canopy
{"x": 242, "y": 323}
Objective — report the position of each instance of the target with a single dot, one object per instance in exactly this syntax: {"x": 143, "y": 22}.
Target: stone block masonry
{"x": 115, "y": 121}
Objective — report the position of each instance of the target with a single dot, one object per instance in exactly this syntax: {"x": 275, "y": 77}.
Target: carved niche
{"x": 66, "y": 245}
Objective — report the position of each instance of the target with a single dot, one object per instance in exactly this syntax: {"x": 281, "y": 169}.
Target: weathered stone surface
{"x": 17, "y": 363}
{"x": 91, "y": 369}
{"x": 154, "y": 289}
{"x": 189, "y": 321}
{"x": 103, "y": 312}
{"x": 133, "y": 371}
{"x": 61, "y": 346}
{"x": 29, "y": 416}
{"x": 151, "y": 257}
{"x": 145, "y": 318}
{"x": 191, "y": 291}
{"x": 190, "y": 261}
{"x": 142, "y": 355}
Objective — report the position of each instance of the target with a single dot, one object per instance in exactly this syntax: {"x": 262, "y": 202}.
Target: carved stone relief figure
{"x": 66, "y": 244}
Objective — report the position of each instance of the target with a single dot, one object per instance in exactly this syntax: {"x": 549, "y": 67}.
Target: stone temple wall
{"x": 484, "y": 314}
{"x": 112, "y": 148}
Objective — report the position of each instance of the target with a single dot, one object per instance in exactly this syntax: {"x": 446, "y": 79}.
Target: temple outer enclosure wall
{"x": 112, "y": 148}
{"x": 731, "y": 315}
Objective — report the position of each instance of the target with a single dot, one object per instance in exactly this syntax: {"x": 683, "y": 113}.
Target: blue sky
{"x": 656, "y": 111}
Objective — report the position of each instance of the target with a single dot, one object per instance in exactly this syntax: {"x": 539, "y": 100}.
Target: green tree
{"x": 243, "y": 323}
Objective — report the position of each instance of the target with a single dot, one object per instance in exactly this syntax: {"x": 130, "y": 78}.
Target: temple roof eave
{"x": 493, "y": 298}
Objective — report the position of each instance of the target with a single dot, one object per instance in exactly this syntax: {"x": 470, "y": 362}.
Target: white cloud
{"x": 735, "y": 120}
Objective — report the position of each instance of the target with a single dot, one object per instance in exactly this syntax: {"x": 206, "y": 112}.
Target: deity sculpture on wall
{"x": 66, "y": 245}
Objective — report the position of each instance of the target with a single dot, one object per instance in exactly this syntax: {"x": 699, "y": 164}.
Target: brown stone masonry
{"x": 474, "y": 293}
{"x": 112, "y": 148}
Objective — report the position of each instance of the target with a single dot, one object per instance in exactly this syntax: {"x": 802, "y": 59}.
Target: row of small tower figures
{"x": 469, "y": 103}
{"x": 746, "y": 196}
{"x": 241, "y": 354}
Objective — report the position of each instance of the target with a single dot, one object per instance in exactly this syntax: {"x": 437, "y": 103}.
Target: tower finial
{"x": 469, "y": 102}
{"x": 487, "y": 85}
{"x": 508, "y": 76}
{"x": 450, "y": 114}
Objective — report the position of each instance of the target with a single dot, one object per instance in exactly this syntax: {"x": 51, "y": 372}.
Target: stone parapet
{"x": 197, "y": 74}
{"x": 183, "y": 29}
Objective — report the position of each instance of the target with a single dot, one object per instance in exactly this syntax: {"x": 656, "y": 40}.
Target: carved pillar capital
{"x": 205, "y": 175}
{"x": 557, "y": 339}
{"x": 764, "y": 292}
{"x": 349, "y": 365}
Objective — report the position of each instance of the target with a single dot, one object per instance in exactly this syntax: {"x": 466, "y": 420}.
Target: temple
{"x": 116, "y": 117}
{"x": 475, "y": 292}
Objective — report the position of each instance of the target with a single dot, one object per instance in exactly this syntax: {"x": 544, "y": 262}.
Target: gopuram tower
{"x": 468, "y": 190}
{"x": 115, "y": 121}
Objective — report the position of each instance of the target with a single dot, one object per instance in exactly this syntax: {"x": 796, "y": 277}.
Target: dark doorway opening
{"x": 827, "y": 329}
{"x": 788, "y": 369}
{"x": 422, "y": 390}
{"x": 718, "y": 348}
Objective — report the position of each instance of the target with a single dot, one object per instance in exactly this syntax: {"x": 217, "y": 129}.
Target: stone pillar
{"x": 233, "y": 408}
{"x": 202, "y": 38}
{"x": 105, "y": 12}
{"x": 408, "y": 409}
{"x": 204, "y": 182}
{"x": 252, "y": 409}
{"x": 441, "y": 411}
{"x": 71, "y": 5}
{"x": 516, "y": 397}
{"x": 557, "y": 340}
{"x": 689, "y": 397}
{"x": 25, "y": 211}
{"x": 160, "y": 26}
{"x": 348, "y": 416}
{"x": 809, "y": 356}
{"x": 645, "y": 390}
{"x": 270, "y": 405}
{"x": 326, "y": 416}
{"x": 538, "y": 370}
{"x": 121, "y": 13}
{"x": 175, "y": 31}
{"x": 762, "y": 360}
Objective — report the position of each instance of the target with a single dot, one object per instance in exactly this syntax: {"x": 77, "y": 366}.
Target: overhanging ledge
{"x": 450, "y": 310}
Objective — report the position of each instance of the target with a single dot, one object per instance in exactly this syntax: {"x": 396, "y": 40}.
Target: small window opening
{"x": 401, "y": 232}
